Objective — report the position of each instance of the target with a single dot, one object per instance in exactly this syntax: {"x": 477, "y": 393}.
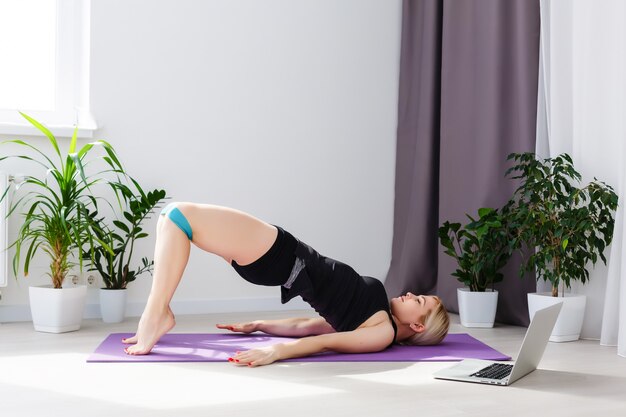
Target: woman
{"x": 356, "y": 315}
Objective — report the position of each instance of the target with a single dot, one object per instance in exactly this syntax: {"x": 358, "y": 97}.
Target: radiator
{"x": 4, "y": 264}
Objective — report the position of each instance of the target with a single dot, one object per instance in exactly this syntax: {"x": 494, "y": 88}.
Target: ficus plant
{"x": 481, "y": 248}
{"x": 115, "y": 265}
{"x": 567, "y": 226}
{"x": 55, "y": 205}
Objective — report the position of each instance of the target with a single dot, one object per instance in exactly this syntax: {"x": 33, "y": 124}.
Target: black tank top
{"x": 335, "y": 290}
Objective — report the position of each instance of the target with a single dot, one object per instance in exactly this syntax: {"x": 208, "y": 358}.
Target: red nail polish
{"x": 236, "y": 360}
{"x": 230, "y": 359}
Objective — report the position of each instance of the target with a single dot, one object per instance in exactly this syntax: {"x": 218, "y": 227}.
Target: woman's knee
{"x": 176, "y": 212}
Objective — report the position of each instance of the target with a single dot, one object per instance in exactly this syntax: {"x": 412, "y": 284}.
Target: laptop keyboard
{"x": 494, "y": 371}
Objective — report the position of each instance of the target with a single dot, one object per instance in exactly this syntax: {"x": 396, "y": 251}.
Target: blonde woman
{"x": 356, "y": 315}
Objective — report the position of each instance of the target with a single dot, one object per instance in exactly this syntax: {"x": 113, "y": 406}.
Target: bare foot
{"x": 133, "y": 340}
{"x": 151, "y": 328}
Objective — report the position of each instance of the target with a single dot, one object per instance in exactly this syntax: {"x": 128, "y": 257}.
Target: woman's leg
{"x": 229, "y": 233}
{"x": 226, "y": 232}
{"x": 171, "y": 253}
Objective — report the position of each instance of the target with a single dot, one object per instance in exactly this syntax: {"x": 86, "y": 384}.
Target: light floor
{"x": 46, "y": 375}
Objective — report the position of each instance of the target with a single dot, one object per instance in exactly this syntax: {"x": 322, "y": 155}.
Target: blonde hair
{"x": 436, "y": 327}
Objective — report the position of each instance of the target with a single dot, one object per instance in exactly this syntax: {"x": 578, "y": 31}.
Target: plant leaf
{"x": 44, "y": 130}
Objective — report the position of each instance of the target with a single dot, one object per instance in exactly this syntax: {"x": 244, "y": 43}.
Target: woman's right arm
{"x": 361, "y": 340}
{"x": 293, "y": 327}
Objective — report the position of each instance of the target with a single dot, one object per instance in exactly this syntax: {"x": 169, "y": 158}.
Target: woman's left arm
{"x": 366, "y": 339}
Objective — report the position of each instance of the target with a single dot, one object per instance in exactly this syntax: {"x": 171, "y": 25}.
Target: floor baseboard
{"x": 19, "y": 313}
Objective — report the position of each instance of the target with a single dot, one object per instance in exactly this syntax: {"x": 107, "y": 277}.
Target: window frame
{"x": 72, "y": 106}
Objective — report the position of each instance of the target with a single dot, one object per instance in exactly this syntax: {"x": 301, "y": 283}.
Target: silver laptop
{"x": 505, "y": 373}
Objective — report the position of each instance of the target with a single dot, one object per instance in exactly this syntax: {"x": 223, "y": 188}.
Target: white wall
{"x": 285, "y": 109}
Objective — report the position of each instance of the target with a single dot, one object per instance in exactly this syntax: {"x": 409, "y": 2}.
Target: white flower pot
{"x": 57, "y": 310}
{"x": 113, "y": 305}
{"x": 477, "y": 309}
{"x": 570, "y": 321}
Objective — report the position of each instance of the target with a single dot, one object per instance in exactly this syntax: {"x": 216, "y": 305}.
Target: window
{"x": 44, "y": 50}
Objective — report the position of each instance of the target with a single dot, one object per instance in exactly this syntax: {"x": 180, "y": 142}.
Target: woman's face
{"x": 411, "y": 308}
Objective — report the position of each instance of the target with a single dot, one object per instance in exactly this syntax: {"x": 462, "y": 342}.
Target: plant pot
{"x": 113, "y": 304}
{"x": 477, "y": 309}
{"x": 57, "y": 310}
{"x": 570, "y": 321}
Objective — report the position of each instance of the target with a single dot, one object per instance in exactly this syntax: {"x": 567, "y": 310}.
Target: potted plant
{"x": 54, "y": 210}
{"x": 481, "y": 249}
{"x": 114, "y": 265}
{"x": 567, "y": 226}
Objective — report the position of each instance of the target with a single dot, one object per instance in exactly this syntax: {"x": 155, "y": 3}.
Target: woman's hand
{"x": 240, "y": 327}
{"x": 256, "y": 357}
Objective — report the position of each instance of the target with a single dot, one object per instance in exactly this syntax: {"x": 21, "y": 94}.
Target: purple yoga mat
{"x": 201, "y": 347}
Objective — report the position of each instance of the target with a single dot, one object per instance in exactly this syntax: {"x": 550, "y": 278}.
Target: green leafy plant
{"x": 56, "y": 204}
{"x": 567, "y": 226}
{"x": 114, "y": 265}
{"x": 481, "y": 248}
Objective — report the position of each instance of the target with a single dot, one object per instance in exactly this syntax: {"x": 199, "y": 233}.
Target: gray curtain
{"x": 467, "y": 98}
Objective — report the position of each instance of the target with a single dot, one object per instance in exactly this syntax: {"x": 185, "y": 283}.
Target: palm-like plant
{"x": 56, "y": 206}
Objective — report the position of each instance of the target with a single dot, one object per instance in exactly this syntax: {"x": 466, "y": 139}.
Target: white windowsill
{"x": 59, "y": 131}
